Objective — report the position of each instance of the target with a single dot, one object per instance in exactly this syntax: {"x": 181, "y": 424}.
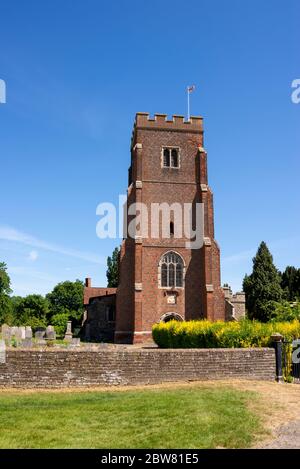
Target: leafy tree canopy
{"x": 67, "y": 298}
{"x": 285, "y": 311}
{"x": 32, "y": 310}
{"x": 5, "y": 290}
{"x": 4, "y": 280}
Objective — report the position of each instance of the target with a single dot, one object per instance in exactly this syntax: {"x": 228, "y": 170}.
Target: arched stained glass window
{"x": 171, "y": 270}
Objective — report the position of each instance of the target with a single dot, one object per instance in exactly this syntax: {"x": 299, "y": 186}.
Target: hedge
{"x": 207, "y": 334}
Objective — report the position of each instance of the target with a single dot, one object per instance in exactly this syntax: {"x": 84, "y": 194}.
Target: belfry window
{"x": 171, "y": 270}
{"x": 171, "y": 229}
{"x": 170, "y": 158}
{"x": 166, "y": 157}
{"x": 174, "y": 158}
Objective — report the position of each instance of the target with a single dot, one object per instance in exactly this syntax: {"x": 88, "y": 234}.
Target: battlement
{"x": 176, "y": 123}
{"x": 143, "y": 119}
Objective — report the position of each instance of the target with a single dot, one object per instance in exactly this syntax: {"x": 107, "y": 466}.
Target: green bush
{"x": 285, "y": 311}
{"x": 206, "y": 334}
{"x": 59, "y": 321}
{"x": 35, "y": 322}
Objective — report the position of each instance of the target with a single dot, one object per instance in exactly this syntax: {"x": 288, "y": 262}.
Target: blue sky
{"x": 77, "y": 72}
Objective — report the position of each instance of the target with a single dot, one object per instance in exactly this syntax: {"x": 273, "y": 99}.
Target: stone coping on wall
{"x": 133, "y": 348}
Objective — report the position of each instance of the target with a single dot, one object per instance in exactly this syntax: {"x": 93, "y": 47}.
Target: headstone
{"x": 6, "y": 332}
{"x": 74, "y": 343}
{"x": 39, "y": 333}
{"x": 21, "y": 332}
{"x": 50, "y": 333}
{"x": 19, "y": 335}
{"x": 28, "y": 332}
{"x": 27, "y": 342}
{"x": 68, "y": 334}
{"x": 2, "y": 351}
{"x": 13, "y": 331}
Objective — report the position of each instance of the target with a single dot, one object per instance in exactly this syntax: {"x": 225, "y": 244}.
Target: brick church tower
{"x": 161, "y": 277}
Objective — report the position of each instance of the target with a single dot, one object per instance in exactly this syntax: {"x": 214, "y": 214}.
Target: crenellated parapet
{"x": 176, "y": 123}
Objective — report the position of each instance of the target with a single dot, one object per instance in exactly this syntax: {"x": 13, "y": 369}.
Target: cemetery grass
{"x": 196, "y": 417}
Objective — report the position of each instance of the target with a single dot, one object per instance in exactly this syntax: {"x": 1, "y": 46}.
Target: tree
{"x": 112, "y": 273}
{"x": 5, "y": 290}
{"x": 59, "y": 321}
{"x": 290, "y": 283}
{"x": 285, "y": 311}
{"x": 32, "y": 310}
{"x": 15, "y": 301}
{"x": 262, "y": 287}
{"x": 67, "y": 298}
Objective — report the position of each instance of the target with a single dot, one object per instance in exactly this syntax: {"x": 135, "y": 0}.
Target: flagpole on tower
{"x": 189, "y": 89}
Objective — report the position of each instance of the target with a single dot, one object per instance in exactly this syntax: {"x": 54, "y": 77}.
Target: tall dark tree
{"x": 112, "y": 273}
{"x": 262, "y": 287}
{"x": 290, "y": 283}
{"x": 5, "y": 290}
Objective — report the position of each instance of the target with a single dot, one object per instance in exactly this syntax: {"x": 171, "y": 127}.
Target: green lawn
{"x": 174, "y": 417}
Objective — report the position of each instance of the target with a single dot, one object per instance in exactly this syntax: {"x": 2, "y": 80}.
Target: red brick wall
{"x": 93, "y": 292}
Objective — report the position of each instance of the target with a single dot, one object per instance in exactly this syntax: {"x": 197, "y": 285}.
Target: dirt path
{"x": 279, "y": 409}
{"x": 287, "y": 437}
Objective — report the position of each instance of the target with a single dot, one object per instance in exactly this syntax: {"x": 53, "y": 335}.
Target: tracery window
{"x": 171, "y": 270}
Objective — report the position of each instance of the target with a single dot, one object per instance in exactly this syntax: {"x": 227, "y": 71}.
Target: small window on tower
{"x": 174, "y": 158}
{"x": 171, "y": 229}
{"x": 170, "y": 158}
{"x": 166, "y": 157}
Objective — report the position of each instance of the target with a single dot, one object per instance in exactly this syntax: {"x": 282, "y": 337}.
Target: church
{"x": 163, "y": 276}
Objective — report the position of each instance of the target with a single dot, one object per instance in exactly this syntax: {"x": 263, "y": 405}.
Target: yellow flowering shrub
{"x": 207, "y": 334}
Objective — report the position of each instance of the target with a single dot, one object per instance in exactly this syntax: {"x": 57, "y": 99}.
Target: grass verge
{"x": 193, "y": 417}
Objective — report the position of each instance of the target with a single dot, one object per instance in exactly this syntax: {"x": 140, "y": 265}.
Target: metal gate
{"x": 291, "y": 361}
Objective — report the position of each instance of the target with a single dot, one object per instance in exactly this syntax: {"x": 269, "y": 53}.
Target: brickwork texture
{"x": 70, "y": 368}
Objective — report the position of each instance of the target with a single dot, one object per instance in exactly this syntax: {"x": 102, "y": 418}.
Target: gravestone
{"x": 68, "y": 334}
{"x": 2, "y": 351}
{"x": 28, "y": 332}
{"x": 6, "y": 332}
{"x": 19, "y": 335}
{"x": 27, "y": 342}
{"x": 13, "y": 331}
{"x": 74, "y": 343}
{"x": 50, "y": 333}
{"x": 39, "y": 333}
